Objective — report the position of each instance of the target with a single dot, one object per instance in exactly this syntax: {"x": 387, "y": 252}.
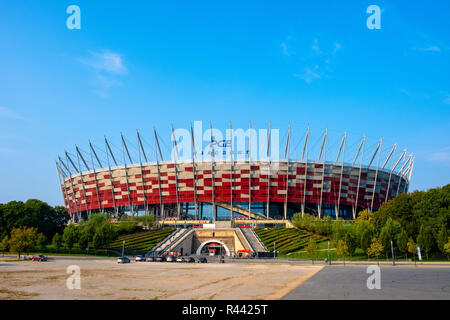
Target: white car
{"x": 123, "y": 260}
{"x": 139, "y": 258}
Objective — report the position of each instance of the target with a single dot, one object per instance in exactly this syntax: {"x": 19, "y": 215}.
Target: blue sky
{"x": 135, "y": 65}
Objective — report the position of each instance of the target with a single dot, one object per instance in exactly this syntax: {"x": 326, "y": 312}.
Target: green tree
{"x": 402, "y": 242}
{"x": 70, "y": 235}
{"x": 97, "y": 219}
{"x": 147, "y": 221}
{"x": 104, "y": 235}
{"x": 307, "y": 222}
{"x": 304, "y": 222}
{"x": 327, "y": 226}
{"x": 57, "y": 241}
{"x": 375, "y": 249}
{"x": 389, "y": 233}
{"x": 364, "y": 231}
{"x": 447, "y": 248}
{"x": 61, "y": 217}
{"x": 339, "y": 230}
{"x": 13, "y": 215}
{"x": 83, "y": 241}
{"x": 127, "y": 224}
{"x": 22, "y": 240}
{"x": 41, "y": 241}
{"x": 351, "y": 241}
{"x": 431, "y": 208}
{"x": 441, "y": 238}
{"x": 88, "y": 230}
{"x": 312, "y": 249}
{"x": 342, "y": 249}
{"x": 398, "y": 209}
{"x": 34, "y": 214}
{"x": 425, "y": 239}
{"x": 365, "y": 216}
{"x": 4, "y": 245}
{"x": 412, "y": 248}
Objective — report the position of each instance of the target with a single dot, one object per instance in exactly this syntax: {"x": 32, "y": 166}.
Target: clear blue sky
{"x": 139, "y": 64}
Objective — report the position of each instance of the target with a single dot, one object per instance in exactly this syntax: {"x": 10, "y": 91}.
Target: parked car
{"x": 39, "y": 257}
{"x": 123, "y": 260}
{"x": 180, "y": 259}
{"x": 139, "y": 258}
{"x": 170, "y": 259}
{"x": 150, "y": 259}
{"x": 189, "y": 259}
{"x": 160, "y": 259}
{"x": 202, "y": 260}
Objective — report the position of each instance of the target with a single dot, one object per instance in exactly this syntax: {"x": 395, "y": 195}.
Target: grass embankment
{"x": 288, "y": 241}
{"x": 140, "y": 243}
{"x": 292, "y": 242}
{"x": 136, "y": 243}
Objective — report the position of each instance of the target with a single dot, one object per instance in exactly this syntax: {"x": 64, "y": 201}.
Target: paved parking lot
{"x": 105, "y": 279}
{"x": 397, "y": 282}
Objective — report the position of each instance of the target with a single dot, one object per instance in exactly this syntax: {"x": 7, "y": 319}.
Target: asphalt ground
{"x": 396, "y": 282}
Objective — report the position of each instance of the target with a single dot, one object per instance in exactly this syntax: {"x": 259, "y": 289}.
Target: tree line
{"x": 421, "y": 218}
{"x": 34, "y": 225}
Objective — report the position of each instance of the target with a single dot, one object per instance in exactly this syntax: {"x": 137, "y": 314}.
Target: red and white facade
{"x": 318, "y": 188}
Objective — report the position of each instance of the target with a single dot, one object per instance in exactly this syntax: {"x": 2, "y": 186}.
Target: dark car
{"x": 150, "y": 259}
{"x": 189, "y": 259}
{"x": 160, "y": 259}
{"x": 123, "y": 260}
{"x": 39, "y": 257}
{"x": 202, "y": 260}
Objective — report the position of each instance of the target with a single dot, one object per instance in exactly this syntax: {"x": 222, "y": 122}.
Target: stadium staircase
{"x": 241, "y": 210}
{"x": 164, "y": 246}
{"x": 255, "y": 243}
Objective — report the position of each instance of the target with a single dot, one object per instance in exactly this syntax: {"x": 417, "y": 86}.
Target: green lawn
{"x": 136, "y": 243}
{"x": 287, "y": 240}
{"x": 140, "y": 243}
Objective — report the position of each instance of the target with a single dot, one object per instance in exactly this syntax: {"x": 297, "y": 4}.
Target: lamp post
{"x": 123, "y": 247}
{"x": 274, "y": 249}
{"x": 329, "y": 254}
{"x": 221, "y": 253}
{"x": 392, "y": 250}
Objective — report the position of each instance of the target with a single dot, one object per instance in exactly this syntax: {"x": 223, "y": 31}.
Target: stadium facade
{"x": 226, "y": 189}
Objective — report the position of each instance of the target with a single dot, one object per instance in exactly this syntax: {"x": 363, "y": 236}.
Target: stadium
{"x": 227, "y": 188}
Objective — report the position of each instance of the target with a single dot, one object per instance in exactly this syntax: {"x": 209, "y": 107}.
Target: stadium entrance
{"x": 213, "y": 248}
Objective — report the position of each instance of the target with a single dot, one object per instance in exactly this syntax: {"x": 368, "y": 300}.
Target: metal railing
{"x": 155, "y": 248}
{"x": 169, "y": 244}
{"x": 258, "y": 239}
